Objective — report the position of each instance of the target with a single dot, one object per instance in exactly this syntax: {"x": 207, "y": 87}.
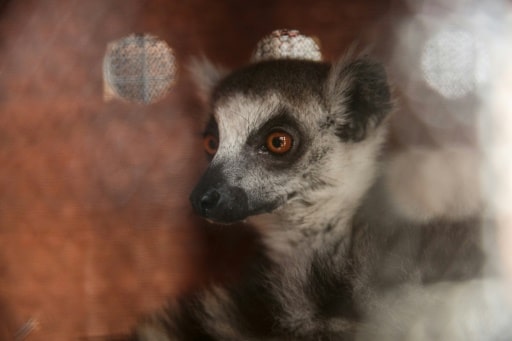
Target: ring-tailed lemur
{"x": 294, "y": 148}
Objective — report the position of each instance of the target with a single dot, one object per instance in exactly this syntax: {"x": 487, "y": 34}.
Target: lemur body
{"x": 298, "y": 158}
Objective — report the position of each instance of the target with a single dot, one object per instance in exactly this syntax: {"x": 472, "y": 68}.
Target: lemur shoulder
{"x": 295, "y": 149}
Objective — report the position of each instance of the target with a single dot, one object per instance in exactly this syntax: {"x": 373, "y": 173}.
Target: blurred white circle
{"x": 454, "y": 63}
{"x": 139, "y": 68}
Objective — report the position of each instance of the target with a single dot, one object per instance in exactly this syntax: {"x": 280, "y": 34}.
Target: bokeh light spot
{"x": 139, "y": 68}
{"x": 453, "y": 63}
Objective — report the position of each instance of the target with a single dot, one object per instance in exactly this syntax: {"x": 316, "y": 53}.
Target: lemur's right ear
{"x": 358, "y": 97}
{"x": 205, "y": 75}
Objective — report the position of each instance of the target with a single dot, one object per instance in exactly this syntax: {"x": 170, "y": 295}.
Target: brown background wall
{"x": 95, "y": 226}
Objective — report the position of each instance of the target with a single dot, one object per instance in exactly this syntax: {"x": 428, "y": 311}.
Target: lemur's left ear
{"x": 205, "y": 75}
{"x": 358, "y": 97}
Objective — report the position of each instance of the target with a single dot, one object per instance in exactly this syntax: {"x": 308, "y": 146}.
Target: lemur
{"x": 295, "y": 151}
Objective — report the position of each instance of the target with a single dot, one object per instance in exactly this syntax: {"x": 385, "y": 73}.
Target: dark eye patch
{"x": 211, "y": 128}
{"x": 211, "y": 133}
{"x": 283, "y": 121}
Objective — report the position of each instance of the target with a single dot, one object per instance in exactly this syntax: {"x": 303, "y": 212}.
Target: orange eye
{"x": 211, "y": 144}
{"x": 279, "y": 142}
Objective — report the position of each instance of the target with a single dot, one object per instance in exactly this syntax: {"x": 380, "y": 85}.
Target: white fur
{"x": 236, "y": 116}
{"x": 350, "y": 171}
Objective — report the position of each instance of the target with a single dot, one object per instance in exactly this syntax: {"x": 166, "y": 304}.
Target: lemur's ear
{"x": 205, "y": 75}
{"x": 358, "y": 97}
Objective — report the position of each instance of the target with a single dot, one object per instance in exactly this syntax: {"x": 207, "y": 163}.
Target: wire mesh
{"x": 139, "y": 68}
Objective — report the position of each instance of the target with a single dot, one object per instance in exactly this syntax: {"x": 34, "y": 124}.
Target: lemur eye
{"x": 279, "y": 142}
{"x": 211, "y": 144}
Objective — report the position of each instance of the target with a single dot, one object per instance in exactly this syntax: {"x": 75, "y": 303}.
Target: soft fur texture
{"x": 337, "y": 260}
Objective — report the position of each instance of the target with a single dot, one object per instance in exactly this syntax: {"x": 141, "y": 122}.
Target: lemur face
{"x": 281, "y": 129}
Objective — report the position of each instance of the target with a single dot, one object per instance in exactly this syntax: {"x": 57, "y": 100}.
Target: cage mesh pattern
{"x": 287, "y": 44}
{"x": 139, "y": 68}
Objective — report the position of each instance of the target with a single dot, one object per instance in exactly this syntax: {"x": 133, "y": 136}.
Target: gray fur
{"x": 333, "y": 252}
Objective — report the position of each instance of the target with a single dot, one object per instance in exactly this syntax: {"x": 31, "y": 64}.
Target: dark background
{"x": 95, "y": 224}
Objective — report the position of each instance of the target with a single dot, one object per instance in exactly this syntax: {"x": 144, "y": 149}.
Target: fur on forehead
{"x": 354, "y": 91}
{"x": 293, "y": 79}
{"x": 247, "y": 98}
{"x": 240, "y": 114}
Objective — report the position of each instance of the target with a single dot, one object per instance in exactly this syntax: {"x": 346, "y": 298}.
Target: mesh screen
{"x": 139, "y": 68}
{"x": 287, "y": 44}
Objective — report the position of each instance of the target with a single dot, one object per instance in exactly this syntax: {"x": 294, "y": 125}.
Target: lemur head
{"x": 288, "y": 132}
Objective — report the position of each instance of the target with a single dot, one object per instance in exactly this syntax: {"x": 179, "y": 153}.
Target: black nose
{"x": 221, "y": 204}
{"x": 209, "y": 201}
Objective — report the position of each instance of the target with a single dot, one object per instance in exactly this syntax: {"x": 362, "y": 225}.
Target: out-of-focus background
{"x": 95, "y": 225}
